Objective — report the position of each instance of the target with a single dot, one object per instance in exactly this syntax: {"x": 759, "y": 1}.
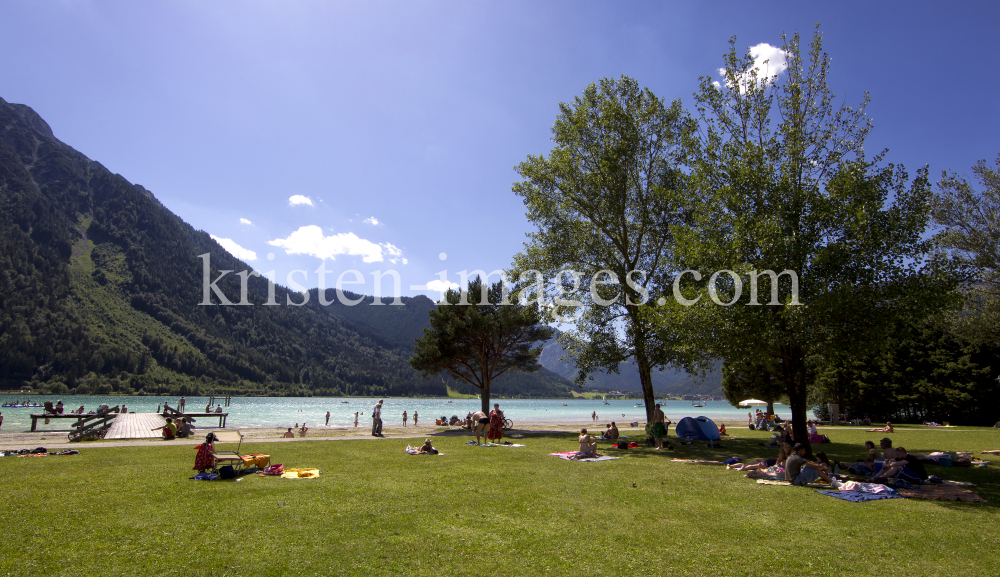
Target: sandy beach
{"x": 58, "y": 439}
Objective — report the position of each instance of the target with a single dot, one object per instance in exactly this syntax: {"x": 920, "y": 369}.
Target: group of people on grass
{"x": 880, "y": 466}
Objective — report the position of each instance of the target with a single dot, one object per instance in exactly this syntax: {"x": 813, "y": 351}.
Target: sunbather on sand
{"x": 588, "y": 448}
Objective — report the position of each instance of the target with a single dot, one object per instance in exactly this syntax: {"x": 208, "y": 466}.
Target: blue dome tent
{"x": 697, "y": 428}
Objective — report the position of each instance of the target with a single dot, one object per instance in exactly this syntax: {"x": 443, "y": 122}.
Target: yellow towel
{"x": 300, "y": 474}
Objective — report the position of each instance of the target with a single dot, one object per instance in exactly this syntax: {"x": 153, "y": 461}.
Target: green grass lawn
{"x": 510, "y": 511}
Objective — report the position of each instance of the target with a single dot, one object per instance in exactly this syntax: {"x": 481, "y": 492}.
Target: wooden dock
{"x": 136, "y": 426}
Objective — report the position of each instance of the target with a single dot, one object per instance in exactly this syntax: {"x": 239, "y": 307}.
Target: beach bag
{"x": 274, "y": 470}
{"x": 752, "y": 427}
{"x": 622, "y": 444}
{"x": 227, "y": 472}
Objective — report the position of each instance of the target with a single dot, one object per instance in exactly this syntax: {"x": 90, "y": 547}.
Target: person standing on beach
{"x": 355, "y": 419}
{"x": 496, "y": 424}
{"x": 479, "y": 422}
{"x": 414, "y": 418}
{"x": 377, "y": 419}
{"x": 404, "y": 418}
{"x": 328, "y": 418}
{"x": 659, "y": 429}
{"x": 180, "y": 405}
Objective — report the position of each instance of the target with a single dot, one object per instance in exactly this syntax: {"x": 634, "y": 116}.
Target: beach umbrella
{"x": 753, "y": 403}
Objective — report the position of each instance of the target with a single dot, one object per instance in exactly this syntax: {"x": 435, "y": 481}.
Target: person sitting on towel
{"x": 588, "y": 448}
{"x": 427, "y": 449}
{"x": 905, "y": 466}
{"x": 801, "y": 471}
{"x": 612, "y": 432}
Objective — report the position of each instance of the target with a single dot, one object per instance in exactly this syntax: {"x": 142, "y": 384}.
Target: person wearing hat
{"x": 801, "y": 471}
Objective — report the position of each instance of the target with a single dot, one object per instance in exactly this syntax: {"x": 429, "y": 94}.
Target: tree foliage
{"x": 783, "y": 183}
{"x": 482, "y": 339}
{"x": 970, "y": 223}
{"x": 603, "y": 203}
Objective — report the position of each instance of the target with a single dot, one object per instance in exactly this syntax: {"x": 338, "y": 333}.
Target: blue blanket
{"x": 858, "y": 497}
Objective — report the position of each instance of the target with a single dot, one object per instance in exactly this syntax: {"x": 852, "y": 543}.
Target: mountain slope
{"x": 668, "y": 382}
{"x": 100, "y": 287}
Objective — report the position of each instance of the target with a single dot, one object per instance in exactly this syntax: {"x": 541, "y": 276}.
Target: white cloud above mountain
{"x": 297, "y": 199}
{"x": 441, "y": 285}
{"x": 235, "y": 249}
{"x": 310, "y": 240}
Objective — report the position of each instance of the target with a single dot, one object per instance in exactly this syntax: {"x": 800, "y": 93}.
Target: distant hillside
{"x": 99, "y": 293}
{"x": 668, "y": 382}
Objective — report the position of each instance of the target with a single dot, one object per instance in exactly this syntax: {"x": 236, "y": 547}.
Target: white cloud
{"x": 768, "y": 61}
{"x": 395, "y": 253}
{"x": 441, "y": 285}
{"x": 245, "y": 221}
{"x": 716, "y": 85}
{"x": 299, "y": 199}
{"x": 235, "y": 249}
{"x": 372, "y": 221}
{"x": 310, "y": 240}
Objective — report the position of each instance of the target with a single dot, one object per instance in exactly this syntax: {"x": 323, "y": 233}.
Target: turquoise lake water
{"x": 255, "y": 412}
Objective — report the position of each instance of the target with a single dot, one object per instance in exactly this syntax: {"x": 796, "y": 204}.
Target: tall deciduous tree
{"x": 970, "y": 221}
{"x": 784, "y": 184}
{"x": 478, "y": 339}
{"x": 603, "y": 202}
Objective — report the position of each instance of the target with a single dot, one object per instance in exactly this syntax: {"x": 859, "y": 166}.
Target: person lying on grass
{"x": 767, "y": 467}
{"x": 427, "y": 449}
{"x": 169, "y": 430}
{"x": 886, "y": 429}
{"x": 905, "y": 466}
{"x": 801, "y": 471}
{"x": 588, "y": 448}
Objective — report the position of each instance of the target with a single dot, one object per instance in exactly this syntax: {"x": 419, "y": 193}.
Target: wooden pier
{"x": 136, "y": 426}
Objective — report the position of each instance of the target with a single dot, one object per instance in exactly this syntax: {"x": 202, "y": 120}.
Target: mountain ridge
{"x": 100, "y": 289}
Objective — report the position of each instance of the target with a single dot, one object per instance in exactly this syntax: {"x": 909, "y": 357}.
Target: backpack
{"x": 227, "y": 472}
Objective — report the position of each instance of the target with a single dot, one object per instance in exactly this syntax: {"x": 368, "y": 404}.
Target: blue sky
{"x": 400, "y": 122}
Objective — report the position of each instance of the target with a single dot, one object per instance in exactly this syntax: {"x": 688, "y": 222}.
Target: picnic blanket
{"x": 569, "y": 456}
{"x": 789, "y": 483}
{"x": 305, "y": 473}
{"x": 697, "y": 462}
{"x": 942, "y": 493}
{"x": 858, "y": 496}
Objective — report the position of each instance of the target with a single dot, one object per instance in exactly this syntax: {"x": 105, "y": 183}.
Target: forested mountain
{"x": 100, "y": 285}
{"x": 668, "y": 382}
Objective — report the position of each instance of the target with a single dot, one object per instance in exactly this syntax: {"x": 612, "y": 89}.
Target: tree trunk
{"x": 485, "y": 396}
{"x": 645, "y": 377}
{"x": 794, "y": 370}
{"x": 770, "y": 407}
